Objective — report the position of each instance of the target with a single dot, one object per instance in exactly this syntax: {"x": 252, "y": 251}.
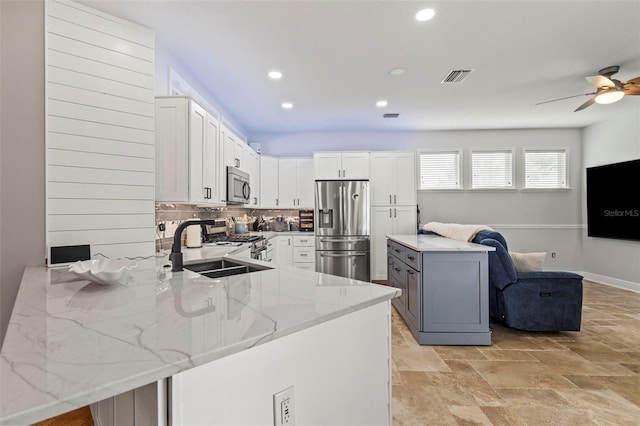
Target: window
{"x": 545, "y": 168}
{"x": 440, "y": 170}
{"x": 492, "y": 169}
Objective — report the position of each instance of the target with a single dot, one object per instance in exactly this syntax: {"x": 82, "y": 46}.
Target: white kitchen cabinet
{"x": 283, "y": 253}
{"x": 268, "y": 182}
{"x": 187, "y": 152}
{"x": 234, "y": 149}
{"x": 341, "y": 165}
{"x": 388, "y": 220}
{"x": 295, "y": 183}
{"x": 253, "y": 167}
{"x": 393, "y": 178}
{"x": 304, "y": 252}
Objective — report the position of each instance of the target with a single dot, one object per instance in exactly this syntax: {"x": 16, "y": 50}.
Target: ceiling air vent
{"x": 391, "y": 115}
{"x": 456, "y": 76}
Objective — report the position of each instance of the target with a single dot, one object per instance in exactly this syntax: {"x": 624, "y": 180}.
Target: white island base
{"x": 340, "y": 371}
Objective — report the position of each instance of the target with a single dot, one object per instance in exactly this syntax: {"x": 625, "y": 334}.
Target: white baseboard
{"x": 613, "y": 282}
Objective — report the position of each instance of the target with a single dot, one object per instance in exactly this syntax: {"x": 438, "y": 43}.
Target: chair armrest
{"x": 558, "y": 275}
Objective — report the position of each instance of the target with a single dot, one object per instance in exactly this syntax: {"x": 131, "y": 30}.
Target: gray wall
{"x": 548, "y": 221}
{"x": 611, "y": 142}
{"x": 22, "y": 146}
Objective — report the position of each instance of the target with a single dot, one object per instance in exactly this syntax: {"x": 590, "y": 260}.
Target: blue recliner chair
{"x": 531, "y": 301}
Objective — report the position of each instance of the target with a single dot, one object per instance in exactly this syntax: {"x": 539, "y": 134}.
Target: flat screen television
{"x": 613, "y": 200}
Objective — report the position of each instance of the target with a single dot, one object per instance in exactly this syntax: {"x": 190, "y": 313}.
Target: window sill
{"x": 492, "y": 189}
{"x": 546, "y": 189}
{"x": 443, "y": 190}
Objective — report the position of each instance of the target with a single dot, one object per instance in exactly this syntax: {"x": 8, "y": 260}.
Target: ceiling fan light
{"x": 609, "y": 96}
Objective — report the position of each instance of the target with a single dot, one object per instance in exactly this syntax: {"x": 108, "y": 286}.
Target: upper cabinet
{"x": 341, "y": 165}
{"x": 393, "y": 178}
{"x": 295, "y": 183}
{"x": 234, "y": 150}
{"x": 286, "y": 182}
{"x": 187, "y": 152}
{"x": 268, "y": 182}
{"x": 253, "y": 167}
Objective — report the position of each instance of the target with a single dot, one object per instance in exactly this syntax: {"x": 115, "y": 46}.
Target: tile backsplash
{"x": 173, "y": 214}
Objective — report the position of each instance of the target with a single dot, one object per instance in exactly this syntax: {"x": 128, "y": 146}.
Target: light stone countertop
{"x": 422, "y": 242}
{"x": 71, "y": 342}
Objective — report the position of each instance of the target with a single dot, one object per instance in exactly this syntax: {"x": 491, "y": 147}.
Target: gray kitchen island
{"x": 445, "y": 288}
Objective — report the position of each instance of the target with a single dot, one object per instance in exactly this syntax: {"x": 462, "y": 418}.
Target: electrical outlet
{"x": 283, "y": 408}
{"x": 553, "y": 255}
{"x": 162, "y": 227}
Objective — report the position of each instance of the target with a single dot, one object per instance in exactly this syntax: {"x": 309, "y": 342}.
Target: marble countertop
{"x": 421, "y": 242}
{"x": 71, "y": 342}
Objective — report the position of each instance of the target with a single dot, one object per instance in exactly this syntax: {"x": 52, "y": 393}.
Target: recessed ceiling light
{"x": 287, "y": 105}
{"x": 425, "y": 14}
{"x": 275, "y": 75}
{"x": 397, "y": 71}
{"x": 382, "y": 103}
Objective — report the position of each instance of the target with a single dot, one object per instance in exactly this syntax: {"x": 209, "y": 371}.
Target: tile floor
{"x": 591, "y": 377}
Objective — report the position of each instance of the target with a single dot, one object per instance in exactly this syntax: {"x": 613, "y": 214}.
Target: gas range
{"x": 237, "y": 238}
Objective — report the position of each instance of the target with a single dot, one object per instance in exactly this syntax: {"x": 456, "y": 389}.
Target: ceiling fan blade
{"x": 631, "y": 90}
{"x": 566, "y": 97}
{"x": 600, "y": 81}
{"x": 633, "y": 81}
{"x": 586, "y": 104}
{"x": 632, "y": 87}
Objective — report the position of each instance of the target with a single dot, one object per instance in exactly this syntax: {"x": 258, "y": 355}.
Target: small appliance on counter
{"x": 280, "y": 224}
{"x": 305, "y": 218}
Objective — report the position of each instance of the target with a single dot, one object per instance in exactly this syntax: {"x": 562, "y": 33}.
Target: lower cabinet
{"x": 283, "y": 250}
{"x": 391, "y": 220}
{"x": 445, "y": 294}
{"x": 304, "y": 252}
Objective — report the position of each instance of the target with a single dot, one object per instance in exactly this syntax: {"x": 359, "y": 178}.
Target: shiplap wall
{"x": 100, "y": 131}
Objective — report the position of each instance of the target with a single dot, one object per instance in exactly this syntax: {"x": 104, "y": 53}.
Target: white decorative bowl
{"x": 103, "y": 271}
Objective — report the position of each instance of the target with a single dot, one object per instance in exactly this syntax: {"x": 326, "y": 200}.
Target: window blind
{"x": 492, "y": 169}
{"x": 545, "y": 168}
{"x": 440, "y": 170}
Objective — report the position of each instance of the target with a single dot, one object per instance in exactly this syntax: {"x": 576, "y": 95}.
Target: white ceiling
{"x": 335, "y": 56}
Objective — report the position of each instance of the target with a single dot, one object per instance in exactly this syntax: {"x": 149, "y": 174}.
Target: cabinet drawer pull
{"x": 411, "y": 258}
{"x": 397, "y": 269}
{"x": 397, "y": 251}
{"x": 304, "y": 254}
{"x": 409, "y": 271}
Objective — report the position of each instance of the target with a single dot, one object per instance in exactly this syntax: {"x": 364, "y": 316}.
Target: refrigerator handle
{"x": 344, "y": 208}
{"x": 348, "y": 254}
{"x": 342, "y": 240}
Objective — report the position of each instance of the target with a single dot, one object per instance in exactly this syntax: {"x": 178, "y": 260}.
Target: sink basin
{"x": 222, "y": 268}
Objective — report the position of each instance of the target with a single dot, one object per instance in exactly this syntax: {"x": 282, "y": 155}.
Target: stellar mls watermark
{"x": 622, "y": 213}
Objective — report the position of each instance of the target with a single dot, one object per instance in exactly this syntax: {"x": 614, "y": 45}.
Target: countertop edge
{"x": 427, "y": 243}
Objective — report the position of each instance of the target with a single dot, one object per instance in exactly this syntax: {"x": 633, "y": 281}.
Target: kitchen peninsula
{"x": 214, "y": 349}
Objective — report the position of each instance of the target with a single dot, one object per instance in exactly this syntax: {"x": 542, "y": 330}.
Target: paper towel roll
{"x": 194, "y": 237}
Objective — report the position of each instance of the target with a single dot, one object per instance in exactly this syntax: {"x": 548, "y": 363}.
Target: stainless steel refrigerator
{"x": 343, "y": 228}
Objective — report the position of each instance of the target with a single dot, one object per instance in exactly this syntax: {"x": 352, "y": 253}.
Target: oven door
{"x": 238, "y": 188}
{"x": 260, "y": 254}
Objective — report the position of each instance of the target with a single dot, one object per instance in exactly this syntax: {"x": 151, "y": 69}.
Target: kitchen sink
{"x": 222, "y": 268}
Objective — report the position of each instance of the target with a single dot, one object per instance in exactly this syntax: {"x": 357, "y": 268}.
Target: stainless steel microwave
{"x": 238, "y": 188}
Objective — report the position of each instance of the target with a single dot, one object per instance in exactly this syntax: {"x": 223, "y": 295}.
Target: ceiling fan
{"x": 608, "y": 90}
